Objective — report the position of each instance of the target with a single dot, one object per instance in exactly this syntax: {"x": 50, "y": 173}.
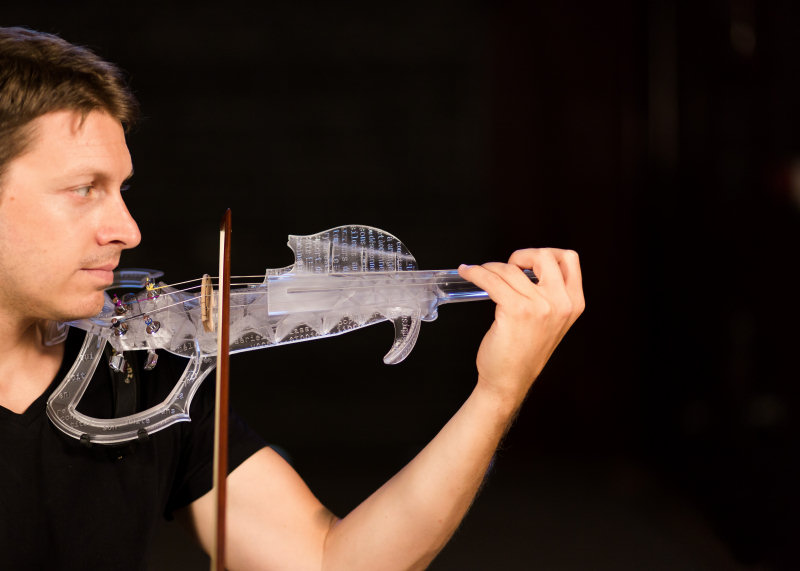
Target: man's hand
{"x": 530, "y": 319}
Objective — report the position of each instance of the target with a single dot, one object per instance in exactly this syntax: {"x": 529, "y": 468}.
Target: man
{"x": 63, "y": 224}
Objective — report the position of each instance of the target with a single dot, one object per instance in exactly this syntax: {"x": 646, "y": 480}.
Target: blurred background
{"x": 659, "y": 139}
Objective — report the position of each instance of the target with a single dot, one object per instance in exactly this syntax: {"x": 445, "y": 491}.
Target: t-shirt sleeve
{"x": 195, "y": 467}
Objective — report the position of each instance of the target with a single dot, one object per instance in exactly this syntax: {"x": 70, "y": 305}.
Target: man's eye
{"x": 83, "y": 191}
{"x": 125, "y": 187}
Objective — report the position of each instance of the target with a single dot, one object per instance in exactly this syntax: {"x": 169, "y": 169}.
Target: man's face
{"x": 63, "y": 222}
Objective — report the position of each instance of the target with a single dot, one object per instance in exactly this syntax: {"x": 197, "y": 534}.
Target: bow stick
{"x": 221, "y": 406}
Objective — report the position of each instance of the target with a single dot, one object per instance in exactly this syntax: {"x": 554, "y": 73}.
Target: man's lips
{"x": 104, "y": 272}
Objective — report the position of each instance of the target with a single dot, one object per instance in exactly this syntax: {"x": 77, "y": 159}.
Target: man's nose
{"x": 119, "y": 227}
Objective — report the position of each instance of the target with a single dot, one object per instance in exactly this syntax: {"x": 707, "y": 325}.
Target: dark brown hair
{"x": 41, "y": 73}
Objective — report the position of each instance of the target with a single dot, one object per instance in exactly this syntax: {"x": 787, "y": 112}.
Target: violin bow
{"x": 221, "y": 405}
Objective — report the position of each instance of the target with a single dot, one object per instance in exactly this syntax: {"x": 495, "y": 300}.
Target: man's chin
{"x": 90, "y": 308}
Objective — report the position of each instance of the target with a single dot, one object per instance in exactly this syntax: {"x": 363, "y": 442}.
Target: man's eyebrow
{"x": 88, "y": 170}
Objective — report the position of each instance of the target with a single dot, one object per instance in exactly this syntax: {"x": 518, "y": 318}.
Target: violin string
{"x": 158, "y": 310}
{"x": 172, "y": 285}
{"x": 341, "y": 274}
{"x": 260, "y": 283}
{"x": 249, "y": 291}
{"x": 234, "y": 293}
{"x": 168, "y": 293}
{"x": 171, "y": 293}
{"x": 266, "y": 277}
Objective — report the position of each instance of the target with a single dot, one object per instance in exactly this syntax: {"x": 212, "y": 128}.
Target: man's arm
{"x": 276, "y": 523}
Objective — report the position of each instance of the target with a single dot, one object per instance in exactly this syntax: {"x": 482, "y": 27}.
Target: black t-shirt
{"x": 67, "y": 506}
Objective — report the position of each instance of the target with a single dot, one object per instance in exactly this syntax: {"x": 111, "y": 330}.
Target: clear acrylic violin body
{"x": 342, "y": 279}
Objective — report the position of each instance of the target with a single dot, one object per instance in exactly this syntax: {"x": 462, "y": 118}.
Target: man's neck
{"x": 27, "y": 364}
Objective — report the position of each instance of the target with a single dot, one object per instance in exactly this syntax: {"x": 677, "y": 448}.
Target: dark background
{"x": 658, "y": 139}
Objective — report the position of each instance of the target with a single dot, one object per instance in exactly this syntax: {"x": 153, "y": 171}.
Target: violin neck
{"x": 455, "y": 289}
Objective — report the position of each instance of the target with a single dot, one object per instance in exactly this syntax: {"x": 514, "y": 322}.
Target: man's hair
{"x": 41, "y": 73}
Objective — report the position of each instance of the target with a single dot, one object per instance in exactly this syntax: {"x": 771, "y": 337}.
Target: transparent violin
{"x": 342, "y": 279}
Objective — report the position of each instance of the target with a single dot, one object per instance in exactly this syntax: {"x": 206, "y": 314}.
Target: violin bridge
{"x": 207, "y": 303}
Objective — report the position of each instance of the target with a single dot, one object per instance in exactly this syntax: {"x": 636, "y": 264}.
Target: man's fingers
{"x": 491, "y": 282}
{"x": 570, "y": 265}
{"x": 544, "y": 264}
{"x": 555, "y": 269}
{"x": 560, "y": 283}
{"x": 513, "y": 276}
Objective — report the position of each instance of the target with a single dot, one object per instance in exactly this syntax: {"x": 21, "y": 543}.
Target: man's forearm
{"x": 407, "y": 521}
